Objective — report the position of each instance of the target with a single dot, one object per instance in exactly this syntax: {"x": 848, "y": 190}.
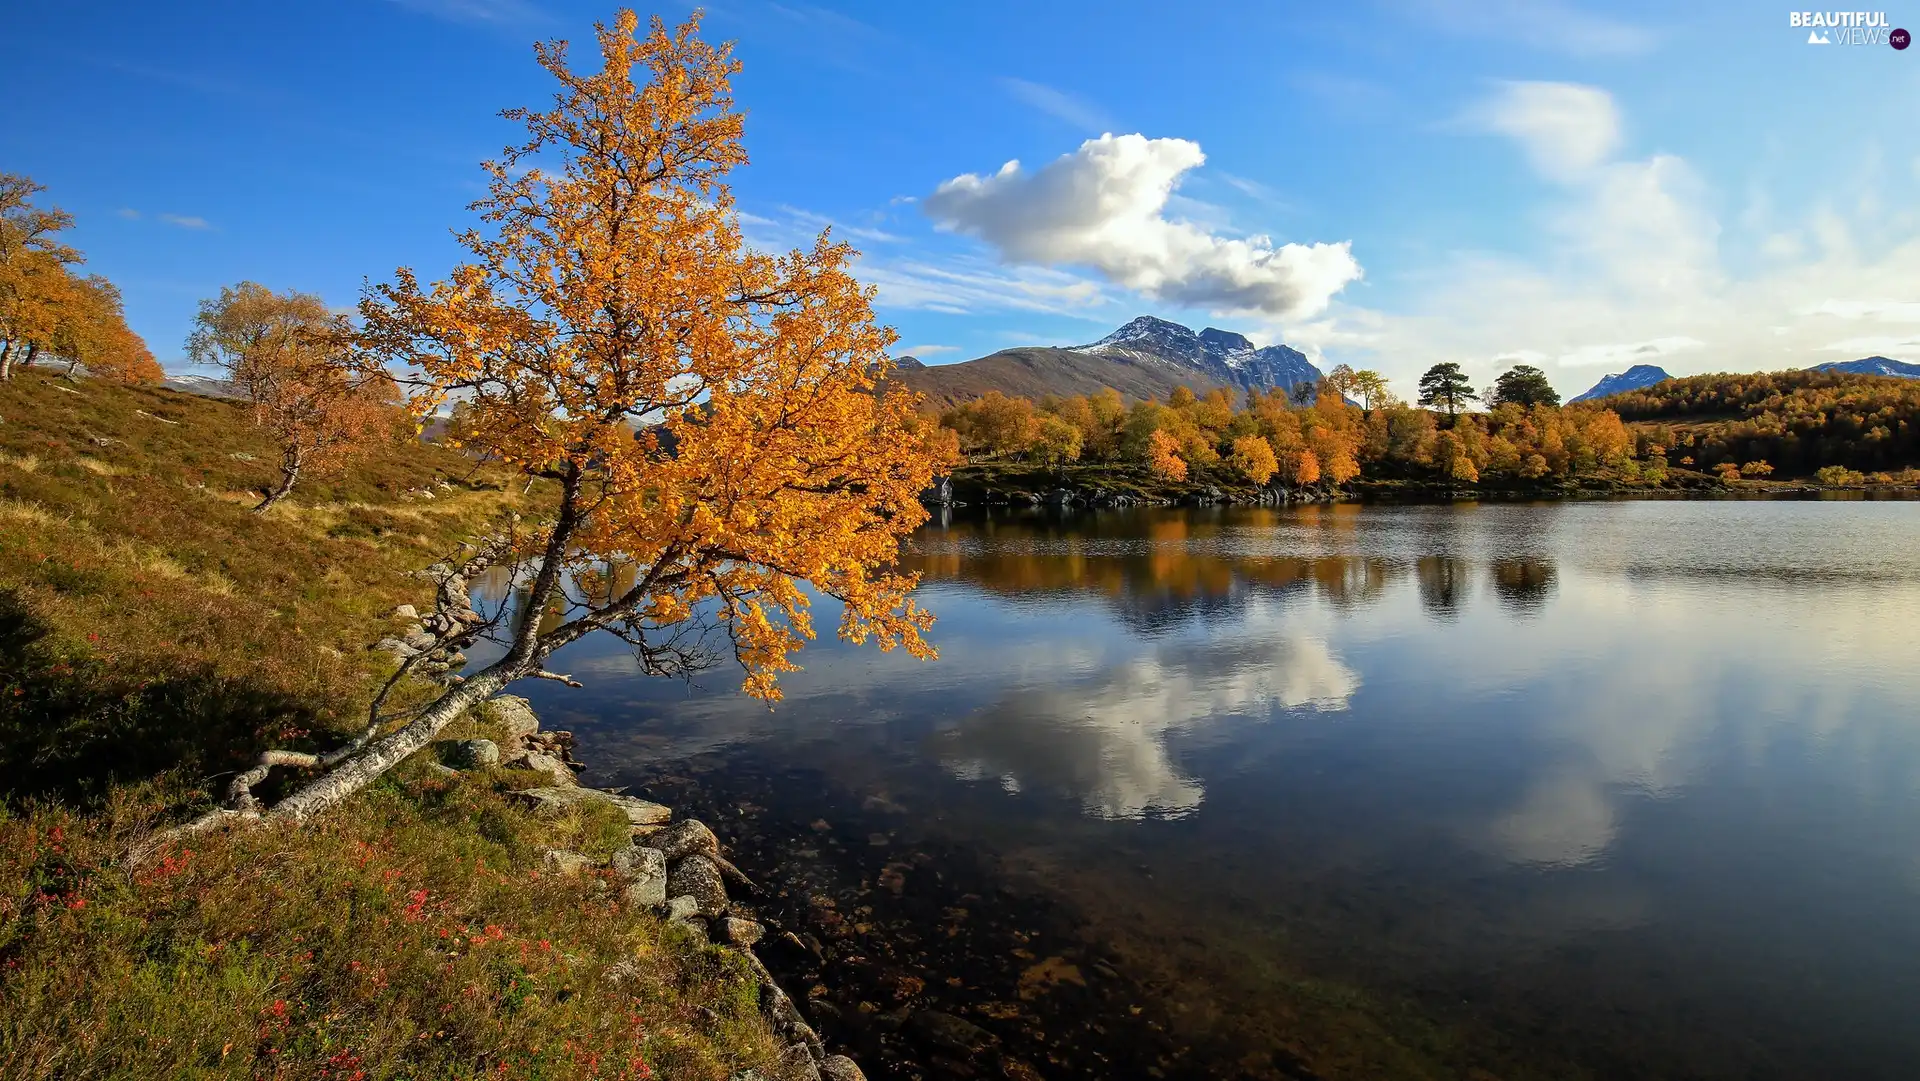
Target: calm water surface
{"x": 1623, "y": 789}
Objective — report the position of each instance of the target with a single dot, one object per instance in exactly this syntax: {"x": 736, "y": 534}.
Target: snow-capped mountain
{"x": 1634, "y": 378}
{"x": 1221, "y": 357}
{"x": 205, "y": 386}
{"x": 1147, "y": 358}
{"x": 1871, "y": 366}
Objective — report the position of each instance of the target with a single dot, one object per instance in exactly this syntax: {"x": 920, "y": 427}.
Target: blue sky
{"x": 1387, "y": 184}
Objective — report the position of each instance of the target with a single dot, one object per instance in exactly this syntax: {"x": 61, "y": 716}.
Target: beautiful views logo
{"x": 1848, "y": 28}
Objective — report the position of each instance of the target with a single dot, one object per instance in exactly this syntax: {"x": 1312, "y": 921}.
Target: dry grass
{"x": 17, "y": 510}
{"x": 412, "y": 938}
{"x": 151, "y": 640}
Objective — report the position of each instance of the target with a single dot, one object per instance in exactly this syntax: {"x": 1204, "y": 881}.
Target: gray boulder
{"x": 513, "y": 713}
{"x": 400, "y": 650}
{"x": 682, "y": 909}
{"x": 686, "y": 838}
{"x": 741, "y": 933}
{"x": 645, "y": 870}
{"x": 556, "y": 799}
{"x": 698, "y": 877}
{"x": 539, "y": 762}
{"x": 797, "y": 1061}
{"x": 471, "y": 753}
{"x": 841, "y": 1068}
{"x": 404, "y": 611}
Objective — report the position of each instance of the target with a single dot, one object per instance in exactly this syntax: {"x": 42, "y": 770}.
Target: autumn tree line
{"x": 297, "y": 363}
{"x": 1324, "y": 434}
{"x": 51, "y": 311}
{"x": 1840, "y": 427}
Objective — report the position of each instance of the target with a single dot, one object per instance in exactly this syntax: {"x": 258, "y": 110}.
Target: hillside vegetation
{"x": 154, "y": 634}
{"x": 1156, "y": 449}
{"x": 1799, "y": 421}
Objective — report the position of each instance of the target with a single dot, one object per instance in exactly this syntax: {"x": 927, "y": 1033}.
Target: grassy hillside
{"x": 153, "y": 634}
{"x": 1037, "y": 371}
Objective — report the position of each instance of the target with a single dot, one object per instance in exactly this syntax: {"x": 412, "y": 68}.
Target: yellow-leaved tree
{"x": 712, "y": 420}
{"x": 295, "y": 361}
{"x": 1253, "y": 457}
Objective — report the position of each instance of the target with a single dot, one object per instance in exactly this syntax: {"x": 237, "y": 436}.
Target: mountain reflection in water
{"x": 1626, "y": 789}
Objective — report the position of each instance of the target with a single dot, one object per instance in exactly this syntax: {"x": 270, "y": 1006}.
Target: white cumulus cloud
{"x": 1104, "y": 207}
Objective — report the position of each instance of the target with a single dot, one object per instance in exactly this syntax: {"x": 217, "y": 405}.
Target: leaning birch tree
{"x": 711, "y": 419}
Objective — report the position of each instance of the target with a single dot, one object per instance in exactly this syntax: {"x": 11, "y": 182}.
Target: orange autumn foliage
{"x": 713, "y": 417}
{"x": 46, "y": 309}
{"x": 1163, "y": 456}
{"x": 292, "y": 359}
{"x": 1253, "y": 457}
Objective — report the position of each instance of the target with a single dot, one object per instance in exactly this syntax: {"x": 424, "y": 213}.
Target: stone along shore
{"x": 674, "y": 868}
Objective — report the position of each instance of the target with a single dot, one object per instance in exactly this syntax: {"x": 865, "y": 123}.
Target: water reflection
{"x": 1155, "y": 575}
{"x": 1104, "y": 742}
{"x": 1523, "y": 585}
{"x": 1669, "y": 771}
{"x": 1443, "y": 585}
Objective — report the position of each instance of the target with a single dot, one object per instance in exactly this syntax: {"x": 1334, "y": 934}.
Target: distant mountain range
{"x": 1146, "y": 358}
{"x": 1646, "y": 375}
{"x": 1871, "y": 366}
{"x": 1634, "y": 378}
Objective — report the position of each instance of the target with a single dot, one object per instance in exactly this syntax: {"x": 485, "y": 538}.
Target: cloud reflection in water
{"x": 1105, "y": 742}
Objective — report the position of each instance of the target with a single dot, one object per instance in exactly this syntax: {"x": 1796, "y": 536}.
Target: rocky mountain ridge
{"x": 1147, "y": 357}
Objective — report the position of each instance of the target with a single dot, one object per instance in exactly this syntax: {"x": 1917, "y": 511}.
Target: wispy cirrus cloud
{"x": 967, "y": 286}
{"x": 1565, "y": 128}
{"x": 1639, "y": 263}
{"x": 178, "y": 221}
{"x": 1060, "y": 105}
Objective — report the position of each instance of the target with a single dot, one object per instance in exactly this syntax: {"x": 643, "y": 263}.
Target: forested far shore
{"x": 1827, "y": 428}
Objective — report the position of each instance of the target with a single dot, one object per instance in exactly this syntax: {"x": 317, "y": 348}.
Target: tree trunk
{"x": 6, "y": 361}
{"x": 383, "y": 754}
{"x": 33, "y": 350}
{"x": 289, "y": 472}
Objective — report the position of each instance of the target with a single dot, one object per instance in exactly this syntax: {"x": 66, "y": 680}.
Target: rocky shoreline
{"x": 674, "y": 868}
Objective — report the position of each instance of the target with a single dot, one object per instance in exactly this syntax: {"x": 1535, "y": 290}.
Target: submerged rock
{"x": 556, "y": 799}
{"x": 698, "y": 877}
{"x": 952, "y": 1033}
{"x": 841, "y": 1068}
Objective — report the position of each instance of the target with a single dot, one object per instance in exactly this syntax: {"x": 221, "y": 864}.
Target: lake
{"x": 1606, "y": 789}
